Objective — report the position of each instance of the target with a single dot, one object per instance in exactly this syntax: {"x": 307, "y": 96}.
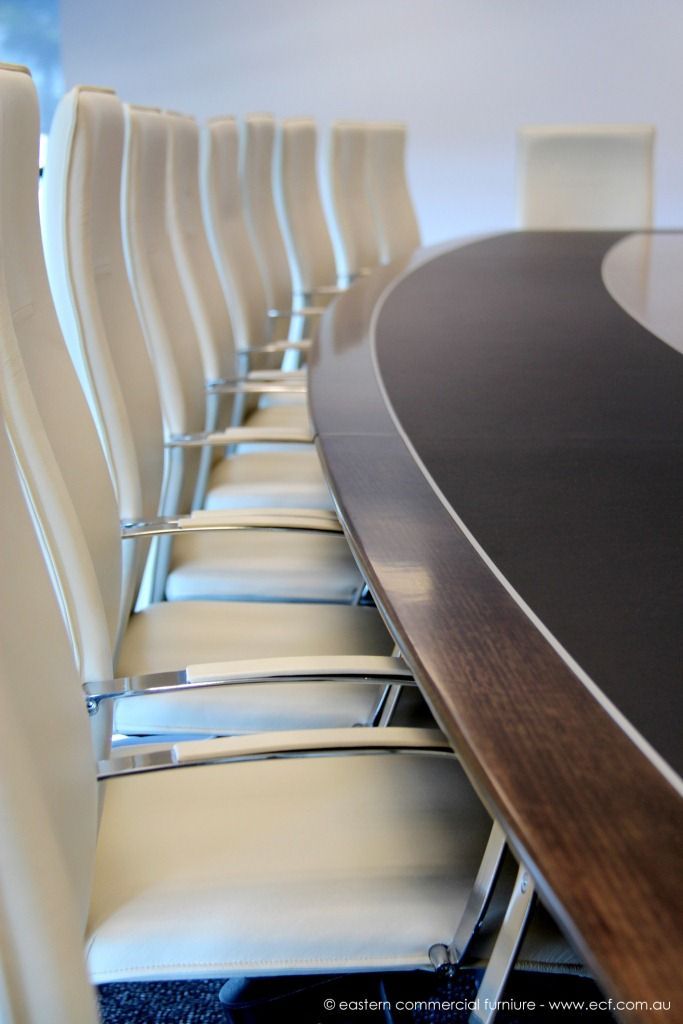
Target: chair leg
{"x": 505, "y": 949}
{"x": 387, "y": 705}
{"x": 447, "y": 958}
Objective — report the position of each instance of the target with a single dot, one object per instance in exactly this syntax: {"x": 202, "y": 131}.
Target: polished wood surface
{"x": 554, "y": 429}
{"x": 597, "y": 822}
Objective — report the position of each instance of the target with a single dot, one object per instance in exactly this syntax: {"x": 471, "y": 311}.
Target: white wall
{"x": 463, "y": 73}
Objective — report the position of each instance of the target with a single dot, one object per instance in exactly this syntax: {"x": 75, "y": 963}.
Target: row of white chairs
{"x": 368, "y": 215}
{"x": 258, "y": 860}
{"x": 186, "y": 303}
{"x": 240, "y": 857}
{"x": 130, "y": 336}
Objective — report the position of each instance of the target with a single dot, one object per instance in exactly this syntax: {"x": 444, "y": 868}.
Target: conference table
{"x": 501, "y": 425}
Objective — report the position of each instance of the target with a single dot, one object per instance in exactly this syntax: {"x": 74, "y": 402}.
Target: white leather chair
{"x": 251, "y": 865}
{"x": 266, "y": 478}
{"x": 300, "y": 211}
{"x": 585, "y": 176}
{"x": 396, "y": 225}
{"x": 350, "y": 214}
{"x": 190, "y": 247}
{"x": 68, "y": 481}
{"x": 240, "y": 273}
{"x": 84, "y": 256}
{"x": 256, "y": 144}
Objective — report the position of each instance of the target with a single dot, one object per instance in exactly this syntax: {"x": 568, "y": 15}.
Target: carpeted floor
{"x": 172, "y": 1002}
{"x": 442, "y": 1001}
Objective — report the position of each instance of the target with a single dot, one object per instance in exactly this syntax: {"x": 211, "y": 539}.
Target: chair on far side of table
{"x": 585, "y": 176}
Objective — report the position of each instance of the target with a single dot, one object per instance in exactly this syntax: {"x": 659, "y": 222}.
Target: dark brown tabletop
{"x": 502, "y": 427}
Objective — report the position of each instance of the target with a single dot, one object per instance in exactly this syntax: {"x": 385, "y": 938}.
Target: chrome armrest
{"x": 277, "y": 376}
{"x": 328, "y": 289}
{"x": 244, "y": 386}
{"x": 325, "y": 290}
{"x": 359, "y": 667}
{"x": 286, "y": 314}
{"x": 292, "y": 378}
{"x": 131, "y": 529}
{"x": 356, "y": 738}
{"x": 241, "y": 435}
{"x": 283, "y": 345}
{"x": 259, "y": 746}
{"x": 275, "y": 519}
{"x": 353, "y": 668}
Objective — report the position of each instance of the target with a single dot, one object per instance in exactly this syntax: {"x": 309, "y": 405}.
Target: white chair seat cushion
{"x": 171, "y": 635}
{"x": 259, "y": 565}
{"x": 272, "y": 413}
{"x": 282, "y": 478}
{"x": 268, "y": 867}
{"x": 279, "y": 414}
{"x": 286, "y": 414}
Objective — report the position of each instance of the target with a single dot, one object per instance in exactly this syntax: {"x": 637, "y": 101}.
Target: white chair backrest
{"x": 47, "y": 781}
{"x": 299, "y": 207}
{"x": 67, "y": 476}
{"x": 585, "y": 176}
{"x": 227, "y": 232}
{"x": 190, "y": 245}
{"x": 159, "y": 296}
{"x": 48, "y": 790}
{"x": 84, "y": 255}
{"x": 396, "y": 225}
{"x": 351, "y": 221}
{"x": 257, "y": 140}
{"x": 152, "y": 270}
